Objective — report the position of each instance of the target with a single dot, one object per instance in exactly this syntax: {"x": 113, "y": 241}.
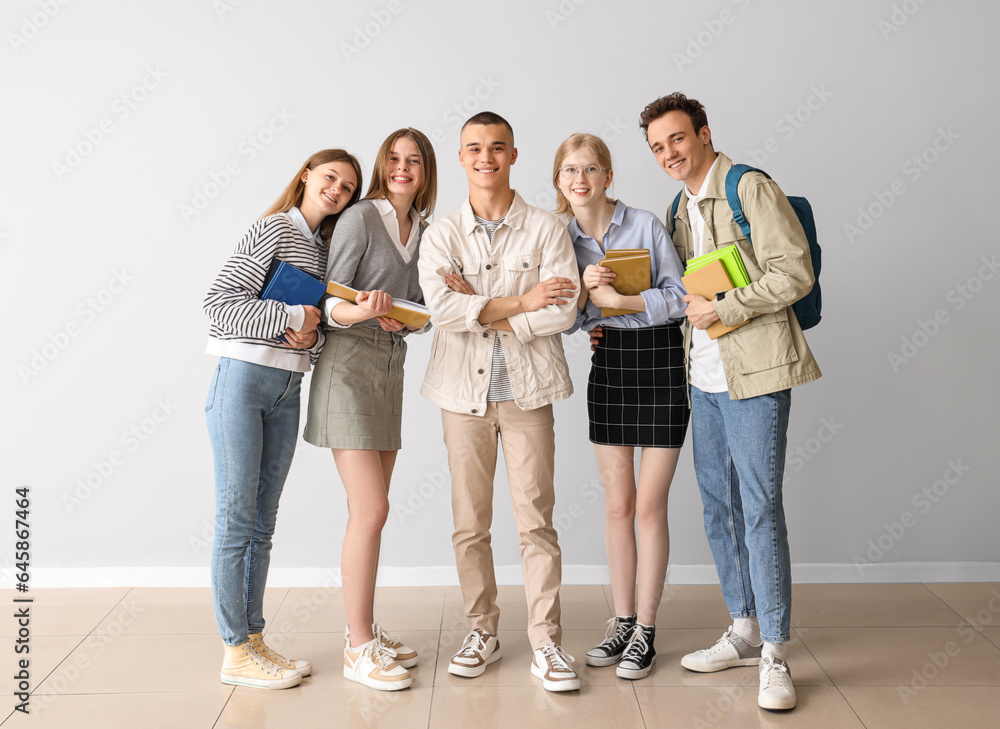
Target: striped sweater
{"x": 242, "y": 325}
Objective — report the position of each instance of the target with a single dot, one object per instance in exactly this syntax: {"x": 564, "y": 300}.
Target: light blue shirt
{"x": 634, "y": 228}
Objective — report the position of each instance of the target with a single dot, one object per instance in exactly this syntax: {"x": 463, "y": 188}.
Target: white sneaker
{"x": 373, "y": 665}
{"x": 405, "y": 656}
{"x": 478, "y": 650}
{"x": 551, "y": 664}
{"x": 776, "y": 689}
{"x": 728, "y": 652}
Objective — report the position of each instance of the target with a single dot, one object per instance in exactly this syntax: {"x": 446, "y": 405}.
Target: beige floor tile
{"x": 899, "y": 656}
{"x": 139, "y": 664}
{"x": 693, "y": 606}
{"x": 310, "y": 610}
{"x": 735, "y": 707}
{"x": 308, "y": 706}
{"x": 46, "y": 653}
{"x": 65, "y": 611}
{"x": 486, "y": 707}
{"x": 836, "y": 606}
{"x": 992, "y": 635}
{"x": 976, "y": 602}
{"x": 162, "y": 610}
{"x": 931, "y": 707}
{"x": 325, "y": 651}
{"x": 672, "y": 645}
{"x": 125, "y": 711}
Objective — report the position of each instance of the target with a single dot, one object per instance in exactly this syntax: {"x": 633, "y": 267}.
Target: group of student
{"x": 503, "y": 280}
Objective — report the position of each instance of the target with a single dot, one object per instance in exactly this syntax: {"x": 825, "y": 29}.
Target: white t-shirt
{"x": 706, "y": 371}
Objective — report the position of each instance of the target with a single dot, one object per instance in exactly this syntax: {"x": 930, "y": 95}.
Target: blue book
{"x": 292, "y": 285}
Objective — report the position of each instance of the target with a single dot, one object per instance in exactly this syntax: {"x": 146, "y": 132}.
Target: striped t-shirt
{"x": 500, "y": 389}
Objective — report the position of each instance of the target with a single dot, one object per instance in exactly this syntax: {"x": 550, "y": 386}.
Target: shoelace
{"x": 722, "y": 642}
{"x": 558, "y": 659}
{"x": 638, "y": 646}
{"x": 380, "y": 654}
{"x": 257, "y": 659}
{"x": 386, "y": 639}
{"x": 775, "y": 674}
{"x": 472, "y": 644}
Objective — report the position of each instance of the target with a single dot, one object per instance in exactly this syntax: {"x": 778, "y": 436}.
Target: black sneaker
{"x": 639, "y": 654}
{"x": 616, "y": 638}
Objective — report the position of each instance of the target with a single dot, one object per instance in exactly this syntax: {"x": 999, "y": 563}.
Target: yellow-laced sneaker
{"x": 303, "y": 667}
{"x": 244, "y": 666}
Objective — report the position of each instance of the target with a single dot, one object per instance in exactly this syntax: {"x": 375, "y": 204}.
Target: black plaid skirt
{"x": 637, "y": 391}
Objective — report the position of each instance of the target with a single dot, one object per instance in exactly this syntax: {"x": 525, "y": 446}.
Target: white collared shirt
{"x": 296, "y": 314}
{"x": 391, "y": 223}
{"x": 706, "y": 372}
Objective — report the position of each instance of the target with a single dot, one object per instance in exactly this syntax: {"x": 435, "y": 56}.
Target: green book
{"x": 730, "y": 258}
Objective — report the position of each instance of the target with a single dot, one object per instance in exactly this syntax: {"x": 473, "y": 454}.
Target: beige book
{"x": 707, "y": 281}
{"x": 632, "y": 277}
{"x": 412, "y": 314}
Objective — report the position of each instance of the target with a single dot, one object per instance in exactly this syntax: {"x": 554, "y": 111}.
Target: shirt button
{"x": 481, "y": 371}
{"x": 525, "y": 264}
{"x": 485, "y": 334}
{"x": 474, "y": 411}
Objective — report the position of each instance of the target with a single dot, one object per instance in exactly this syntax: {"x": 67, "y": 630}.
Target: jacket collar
{"x": 514, "y": 217}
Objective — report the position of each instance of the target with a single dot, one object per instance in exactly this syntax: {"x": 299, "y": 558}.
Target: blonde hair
{"x": 574, "y": 142}
{"x": 292, "y": 195}
{"x": 426, "y": 197}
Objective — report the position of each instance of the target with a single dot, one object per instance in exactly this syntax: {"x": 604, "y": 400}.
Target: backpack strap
{"x": 673, "y": 212}
{"x": 733, "y": 178}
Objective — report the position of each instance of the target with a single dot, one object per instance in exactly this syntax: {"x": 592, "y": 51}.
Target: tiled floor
{"x": 875, "y": 656}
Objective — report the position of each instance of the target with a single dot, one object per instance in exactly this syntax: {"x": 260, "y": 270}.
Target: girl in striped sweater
{"x": 253, "y": 403}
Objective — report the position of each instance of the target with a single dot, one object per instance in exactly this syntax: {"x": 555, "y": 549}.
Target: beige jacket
{"x": 531, "y": 245}
{"x": 770, "y": 352}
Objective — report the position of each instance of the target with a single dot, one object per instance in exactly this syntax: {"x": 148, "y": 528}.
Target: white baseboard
{"x": 573, "y": 574}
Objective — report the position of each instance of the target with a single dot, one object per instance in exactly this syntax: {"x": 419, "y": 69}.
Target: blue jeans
{"x": 253, "y": 422}
{"x": 739, "y": 459}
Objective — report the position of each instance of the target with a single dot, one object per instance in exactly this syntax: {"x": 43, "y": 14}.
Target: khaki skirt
{"x": 356, "y": 395}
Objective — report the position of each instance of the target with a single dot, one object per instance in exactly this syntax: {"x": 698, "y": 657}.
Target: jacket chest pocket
{"x": 521, "y": 272}
{"x": 472, "y": 271}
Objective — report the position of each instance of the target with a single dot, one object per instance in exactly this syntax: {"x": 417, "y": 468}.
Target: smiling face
{"x": 682, "y": 154}
{"x": 587, "y": 185}
{"x": 487, "y": 151}
{"x": 328, "y": 190}
{"x": 404, "y": 169}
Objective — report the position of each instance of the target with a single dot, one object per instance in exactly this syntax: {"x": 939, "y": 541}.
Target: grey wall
{"x": 140, "y": 141}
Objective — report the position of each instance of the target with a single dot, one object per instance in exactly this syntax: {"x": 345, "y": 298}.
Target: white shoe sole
{"x": 776, "y": 704}
{"x": 565, "y": 685}
{"x": 278, "y": 683}
{"x": 601, "y": 661}
{"x": 305, "y": 670}
{"x": 634, "y": 673}
{"x": 398, "y": 685}
{"x": 473, "y": 671}
{"x": 692, "y": 665}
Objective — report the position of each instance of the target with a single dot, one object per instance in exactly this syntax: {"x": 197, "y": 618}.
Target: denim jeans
{"x": 739, "y": 459}
{"x": 253, "y": 422}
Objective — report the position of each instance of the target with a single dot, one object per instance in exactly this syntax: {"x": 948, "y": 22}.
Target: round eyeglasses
{"x": 568, "y": 172}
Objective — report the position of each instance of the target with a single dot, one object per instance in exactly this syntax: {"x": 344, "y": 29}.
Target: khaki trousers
{"x": 528, "y": 439}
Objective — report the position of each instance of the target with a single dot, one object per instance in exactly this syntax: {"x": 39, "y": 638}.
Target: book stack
{"x": 715, "y": 272}
{"x": 291, "y": 285}
{"x": 632, "y": 274}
